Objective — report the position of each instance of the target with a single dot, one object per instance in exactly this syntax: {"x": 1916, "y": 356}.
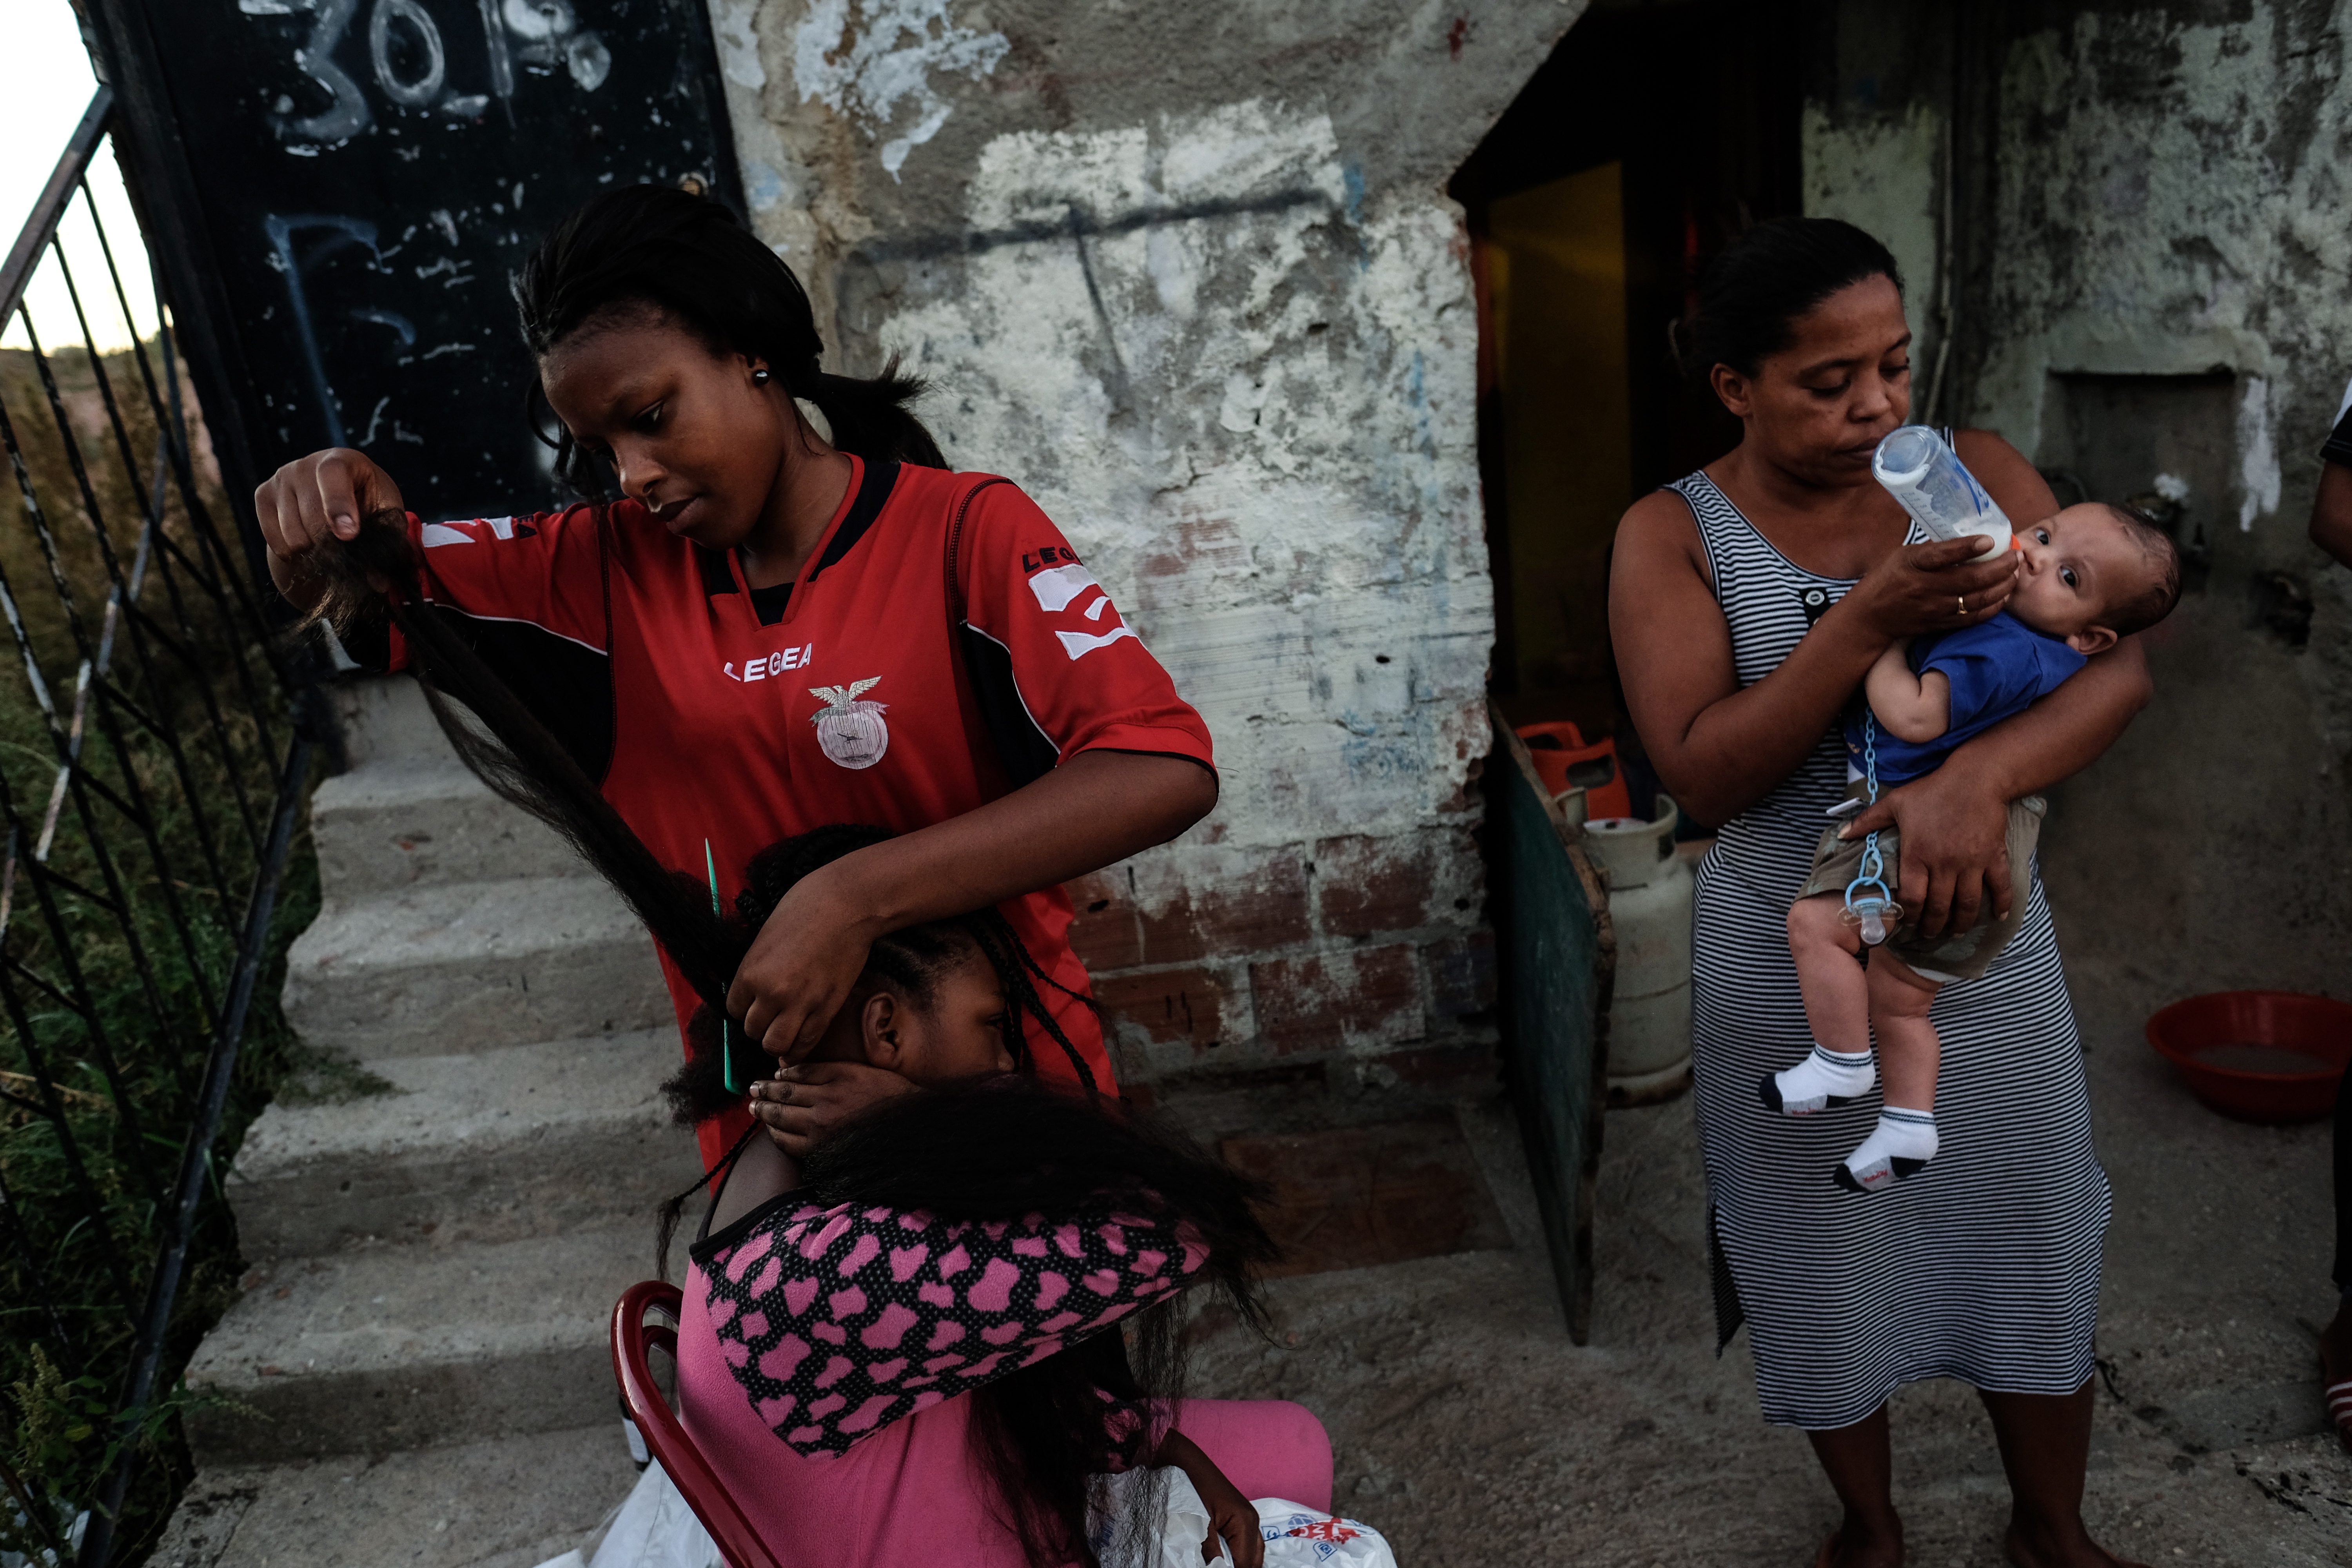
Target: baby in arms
{"x": 2090, "y": 575}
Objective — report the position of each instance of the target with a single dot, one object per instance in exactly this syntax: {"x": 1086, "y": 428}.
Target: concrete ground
{"x": 1470, "y": 1431}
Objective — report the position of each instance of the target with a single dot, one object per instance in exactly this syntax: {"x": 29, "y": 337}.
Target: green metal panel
{"x": 1551, "y": 920}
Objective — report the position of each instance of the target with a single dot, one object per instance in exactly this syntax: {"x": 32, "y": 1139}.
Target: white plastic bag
{"x": 1183, "y": 1525}
{"x": 1296, "y": 1536}
{"x": 654, "y": 1528}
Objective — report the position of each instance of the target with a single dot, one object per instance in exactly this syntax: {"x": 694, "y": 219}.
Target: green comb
{"x": 726, "y": 1027}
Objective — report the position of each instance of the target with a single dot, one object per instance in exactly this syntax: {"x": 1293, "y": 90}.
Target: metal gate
{"x": 153, "y": 763}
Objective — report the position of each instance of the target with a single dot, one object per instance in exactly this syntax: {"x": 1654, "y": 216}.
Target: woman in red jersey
{"x": 772, "y": 629}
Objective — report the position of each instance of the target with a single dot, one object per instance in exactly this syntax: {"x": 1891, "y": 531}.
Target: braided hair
{"x": 640, "y": 250}
{"x": 909, "y": 961}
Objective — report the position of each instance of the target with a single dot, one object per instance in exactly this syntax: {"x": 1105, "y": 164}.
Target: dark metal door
{"x": 343, "y": 189}
{"x": 1557, "y": 954}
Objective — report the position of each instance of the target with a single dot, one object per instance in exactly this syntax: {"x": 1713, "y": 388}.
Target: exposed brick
{"x": 1462, "y": 975}
{"x": 1367, "y": 885}
{"x": 1363, "y": 885}
{"x": 1333, "y": 1001}
{"x": 1104, "y": 932}
{"x": 1231, "y": 917}
{"x": 1236, "y": 905}
{"x": 1169, "y": 1005}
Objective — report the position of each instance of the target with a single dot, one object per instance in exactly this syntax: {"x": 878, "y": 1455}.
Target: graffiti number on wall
{"x": 426, "y": 85}
{"x": 411, "y": 65}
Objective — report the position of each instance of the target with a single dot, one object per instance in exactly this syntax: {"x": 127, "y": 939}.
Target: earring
{"x": 758, "y": 378}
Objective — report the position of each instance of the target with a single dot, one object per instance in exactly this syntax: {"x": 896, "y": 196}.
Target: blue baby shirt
{"x": 1998, "y": 668}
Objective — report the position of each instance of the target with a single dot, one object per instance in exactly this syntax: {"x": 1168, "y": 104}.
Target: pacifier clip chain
{"x": 1869, "y": 902}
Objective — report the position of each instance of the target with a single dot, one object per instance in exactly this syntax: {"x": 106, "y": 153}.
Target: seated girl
{"x": 900, "y": 1326}
{"x": 897, "y": 1344}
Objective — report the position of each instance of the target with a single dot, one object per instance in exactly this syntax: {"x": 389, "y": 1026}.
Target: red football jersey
{"x": 943, "y": 646}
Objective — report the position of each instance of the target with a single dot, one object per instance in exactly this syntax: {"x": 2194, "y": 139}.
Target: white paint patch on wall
{"x": 1879, "y": 174}
{"x": 2258, "y": 464}
{"x": 733, "y": 26}
{"x": 2156, "y": 236}
{"x": 866, "y": 57}
{"x": 1253, "y": 414}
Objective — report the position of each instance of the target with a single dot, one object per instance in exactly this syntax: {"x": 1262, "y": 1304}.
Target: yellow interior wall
{"x": 1557, "y": 282}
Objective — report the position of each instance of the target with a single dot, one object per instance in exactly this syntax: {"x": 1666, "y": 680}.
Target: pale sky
{"x": 44, "y": 85}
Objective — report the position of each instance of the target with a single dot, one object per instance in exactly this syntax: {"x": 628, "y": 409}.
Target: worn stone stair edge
{"x": 464, "y": 966}
{"x": 507, "y": 1502}
{"x": 395, "y": 823}
{"x": 395, "y": 1347}
{"x": 524, "y": 1140}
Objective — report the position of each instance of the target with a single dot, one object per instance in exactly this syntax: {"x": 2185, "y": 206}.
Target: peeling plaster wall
{"x": 2173, "y": 202}
{"x": 2167, "y": 289}
{"x": 1873, "y": 132}
{"x": 1867, "y": 168}
{"x": 1189, "y": 276}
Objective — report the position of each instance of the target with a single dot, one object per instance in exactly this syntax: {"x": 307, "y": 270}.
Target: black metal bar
{"x": 93, "y": 1206}
{"x": 82, "y": 971}
{"x": 123, "y": 702}
{"x": 34, "y": 1513}
{"x": 42, "y": 222}
{"x": 68, "y": 1352}
{"x": 169, "y": 421}
{"x": 60, "y": 880}
{"x": 195, "y": 1159}
{"x": 61, "y": 945}
{"x": 131, "y": 814}
{"x": 42, "y": 984}
{"x": 69, "y": 756}
{"x": 127, "y": 588}
{"x": 95, "y": 659}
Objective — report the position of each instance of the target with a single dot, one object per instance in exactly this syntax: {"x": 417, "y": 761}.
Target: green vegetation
{"x": 113, "y": 1006}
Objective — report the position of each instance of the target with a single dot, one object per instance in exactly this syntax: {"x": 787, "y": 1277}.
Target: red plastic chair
{"x": 1564, "y": 762}
{"x": 665, "y": 1439}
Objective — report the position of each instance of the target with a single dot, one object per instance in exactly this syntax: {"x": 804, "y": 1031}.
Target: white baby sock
{"x": 1825, "y": 1077}
{"x": 1902, "y": 1142}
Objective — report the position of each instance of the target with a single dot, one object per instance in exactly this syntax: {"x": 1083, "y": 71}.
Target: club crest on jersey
{"x": 851, "y": 733}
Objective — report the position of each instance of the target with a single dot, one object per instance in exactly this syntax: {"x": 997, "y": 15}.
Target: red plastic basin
{"x": 2259, "y": 1056}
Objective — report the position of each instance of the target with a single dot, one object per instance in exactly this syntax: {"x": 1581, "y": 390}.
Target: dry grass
{"x": 113, "y": 1006}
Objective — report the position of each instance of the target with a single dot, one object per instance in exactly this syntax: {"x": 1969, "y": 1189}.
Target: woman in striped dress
{"x": 1747, "y": 602}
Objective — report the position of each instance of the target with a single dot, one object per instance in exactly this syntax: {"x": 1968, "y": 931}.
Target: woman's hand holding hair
{"x": 309, "y": 499}
{"x": 1098, "y": 807}
{"x": 803, "y": 1106}
{"x": 808, "y": 954}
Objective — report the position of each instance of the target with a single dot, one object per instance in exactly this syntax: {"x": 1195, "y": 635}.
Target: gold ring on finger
{"x": 1963, "y": 600}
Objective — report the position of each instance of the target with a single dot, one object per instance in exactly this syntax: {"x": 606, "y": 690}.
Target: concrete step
{"x": 512, "y": 1502}
{"x": 386, "y": 1348}
{"x": 437, "y": 970}
{"x": 526, "y": 1140}
{"x": 398, "y": 821}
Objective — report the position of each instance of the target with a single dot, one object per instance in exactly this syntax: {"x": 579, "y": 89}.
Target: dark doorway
{"x": 1654, "y": 134}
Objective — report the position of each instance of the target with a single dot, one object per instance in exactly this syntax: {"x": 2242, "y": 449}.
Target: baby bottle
{"x": 1926, "y": 475}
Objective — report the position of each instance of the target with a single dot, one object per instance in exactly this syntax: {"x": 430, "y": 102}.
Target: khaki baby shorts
{"x": 1955, "y": 955}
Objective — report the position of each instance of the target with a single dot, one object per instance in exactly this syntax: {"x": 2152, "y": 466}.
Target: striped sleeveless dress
{"x": 1985, "y": 1266}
